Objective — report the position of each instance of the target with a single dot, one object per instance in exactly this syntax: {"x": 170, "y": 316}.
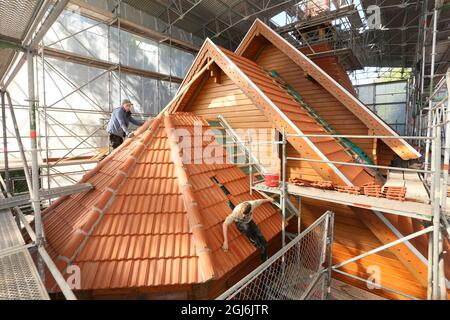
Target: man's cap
{"x": 124, "y": 101}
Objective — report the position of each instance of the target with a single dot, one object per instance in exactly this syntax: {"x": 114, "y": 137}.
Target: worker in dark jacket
{"x": 118, "y": 124}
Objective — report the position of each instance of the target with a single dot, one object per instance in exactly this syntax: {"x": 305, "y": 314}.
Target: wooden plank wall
{"x": 225, "y": 98}
{"x": 329, "y": 108}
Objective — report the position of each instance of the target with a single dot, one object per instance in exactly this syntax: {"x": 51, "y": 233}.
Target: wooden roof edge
{"x": 248, "y": 37}
{"x": 173, "y": 104}
{"x": 194, "y": 217}
{"x": 259, "y": 27}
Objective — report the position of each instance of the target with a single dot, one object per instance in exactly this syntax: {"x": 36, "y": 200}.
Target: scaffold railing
{"x": 299, "y": 271}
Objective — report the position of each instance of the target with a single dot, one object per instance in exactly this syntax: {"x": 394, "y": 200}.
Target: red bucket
{"x": 272, "y": 179}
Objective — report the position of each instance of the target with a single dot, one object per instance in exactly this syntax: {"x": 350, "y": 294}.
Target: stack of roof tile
{"x": 327, "y": 185}
{"x": 152, "y": 219}
{"x": 372, "y": 190}
{"x": 395, "y": 193}
{"x": 348, "y": 189}
{"x": 301, "y": 182}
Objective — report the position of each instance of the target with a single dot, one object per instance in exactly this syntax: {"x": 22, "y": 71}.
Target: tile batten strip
{"x": 202, "y": 248}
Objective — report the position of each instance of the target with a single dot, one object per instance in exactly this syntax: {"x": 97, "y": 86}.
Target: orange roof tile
{"x": 138, "y": 228}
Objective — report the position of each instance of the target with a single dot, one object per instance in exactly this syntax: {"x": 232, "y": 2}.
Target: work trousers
{"x": 115, "y": 141}
{"x": 255, "y": 237}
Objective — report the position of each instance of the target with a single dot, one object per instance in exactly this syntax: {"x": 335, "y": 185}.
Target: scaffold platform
{"x": 413, "y": 209}
{"x": 19, "y": 277}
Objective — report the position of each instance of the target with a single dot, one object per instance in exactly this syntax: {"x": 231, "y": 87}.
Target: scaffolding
{"x": 434, "y": 212}
{"x": 299, "y": 271}
{"x": 70, "y": 146}
{"x": 27, "y": 190}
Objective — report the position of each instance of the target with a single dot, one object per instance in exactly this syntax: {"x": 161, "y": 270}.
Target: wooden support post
{"x": 374, "y": 147}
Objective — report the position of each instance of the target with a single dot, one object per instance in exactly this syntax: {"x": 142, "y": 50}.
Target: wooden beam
{"x": 414, "y": 265}
{"x": 215, "y": 73}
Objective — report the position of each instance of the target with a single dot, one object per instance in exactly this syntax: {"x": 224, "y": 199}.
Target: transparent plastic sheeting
{"x": 134, "y": 50}
{"x": 388, "y": 101}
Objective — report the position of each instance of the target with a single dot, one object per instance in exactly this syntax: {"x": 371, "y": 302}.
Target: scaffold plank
{"x": 19, "y": 278}
{"x": 403, "y": 208}
{"x": 44, "y": 194}
{"x": 343, "y": 291}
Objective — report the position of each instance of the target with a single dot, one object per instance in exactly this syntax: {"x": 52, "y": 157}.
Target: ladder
{"x": 253, "y": 163}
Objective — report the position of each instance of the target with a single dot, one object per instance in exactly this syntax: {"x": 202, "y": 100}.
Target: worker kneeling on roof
{"x": 242, "y": 215}
{"x": 118, "y": 124}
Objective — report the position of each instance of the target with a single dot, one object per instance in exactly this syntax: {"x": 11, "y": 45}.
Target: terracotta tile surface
{"x": 133, "y": 229}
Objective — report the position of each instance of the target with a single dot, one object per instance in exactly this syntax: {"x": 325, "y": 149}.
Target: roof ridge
{"x": 195, "y": 221}
{"x": 77, "y": 242}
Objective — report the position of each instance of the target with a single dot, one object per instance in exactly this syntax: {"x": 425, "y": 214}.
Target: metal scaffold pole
{"x": 34, "y": 159}
{"x": 46, "y": 129}
{"x": 424, "y": 60}
{"x": 119, "y": 52}
{"x": 431, "y": 85}
{"x": 5, "y": 143}
{"x": 445, "y": 167}
{"x": 250, "y": 164}
{"x": 283, "y": 189}
{"x": 436, "y": 204}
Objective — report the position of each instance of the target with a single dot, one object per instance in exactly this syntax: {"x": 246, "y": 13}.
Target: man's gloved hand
{"x": 130, "y": 134}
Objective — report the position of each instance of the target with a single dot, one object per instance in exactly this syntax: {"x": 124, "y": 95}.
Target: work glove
{"x": 130, "y": 134}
